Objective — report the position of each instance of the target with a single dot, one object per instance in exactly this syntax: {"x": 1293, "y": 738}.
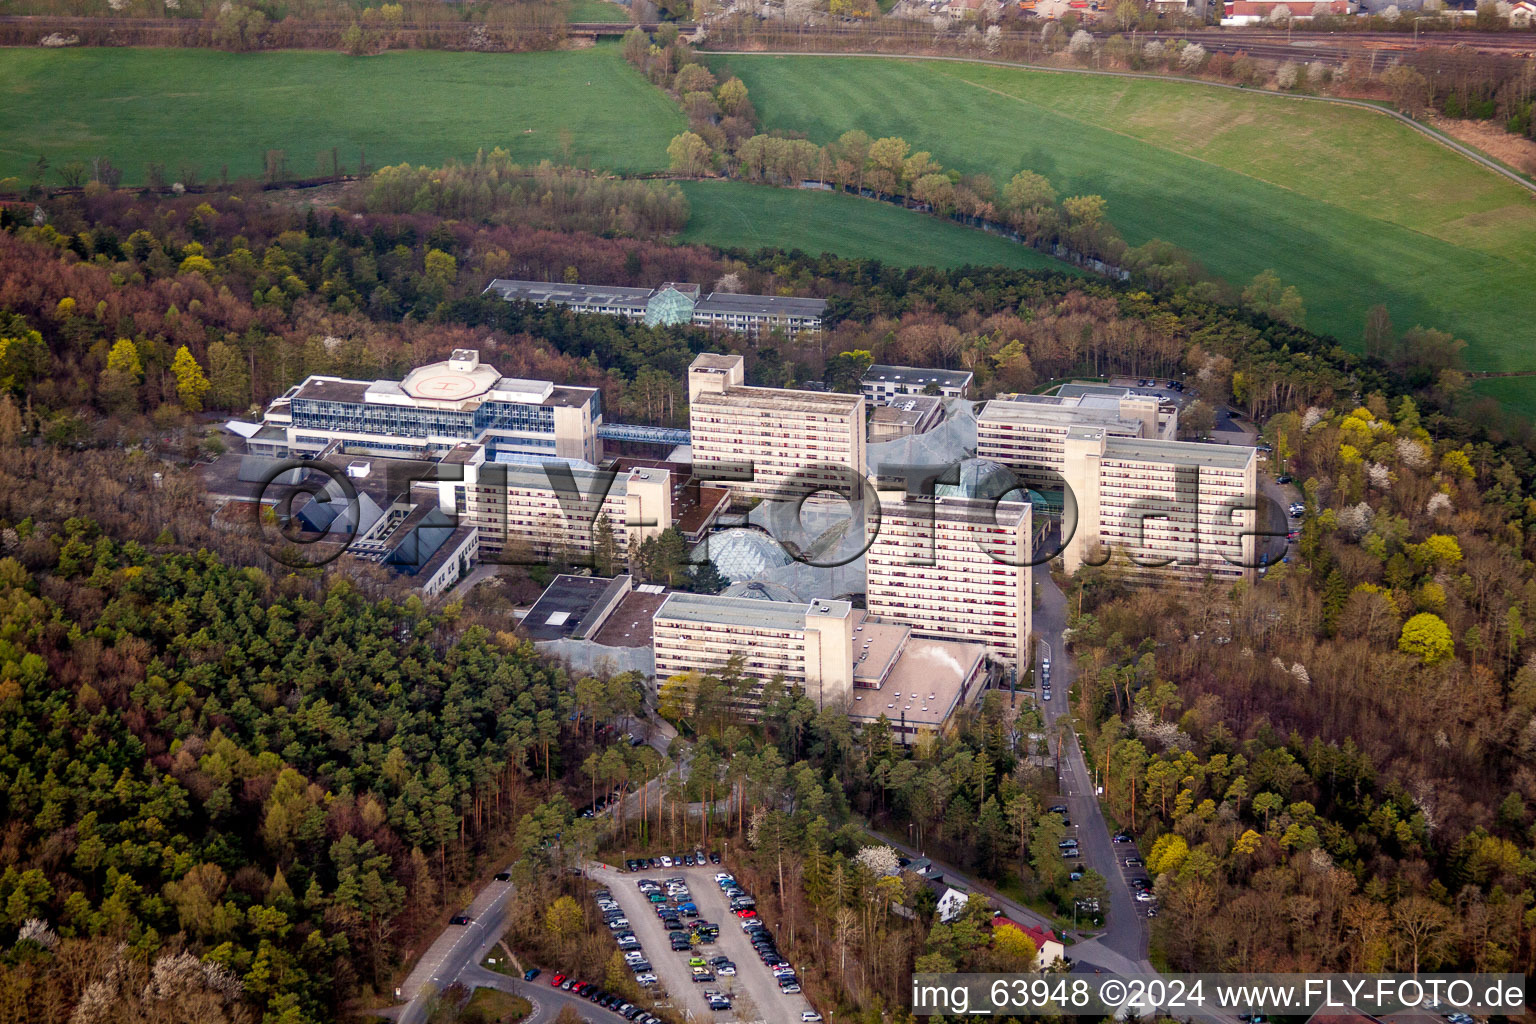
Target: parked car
{"x": 556, "y": 980}
{"x": 1133, "y": 862}
{"x": 530, "y": 974}
{"x": 809, "y": 1017}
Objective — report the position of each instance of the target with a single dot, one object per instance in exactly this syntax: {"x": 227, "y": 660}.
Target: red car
{"x": 744, "y": 914}
{"x": 556, "y": 980}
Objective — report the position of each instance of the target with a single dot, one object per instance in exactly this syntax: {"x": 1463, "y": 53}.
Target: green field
{"x": 1351, "y": 207}
{"x": 595, "y": 10}
{"x": 730, "y": 213}
{"x": 1516, "y": 394}
{"x": 212, "y": 109}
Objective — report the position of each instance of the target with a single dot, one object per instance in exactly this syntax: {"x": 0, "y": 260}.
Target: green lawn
{"x": 213, "y": 109}
{"x": 1351, "y": 207}
{"x": 489, "y": 1004}
{"x": 1515, "y": 394}
{"x": 595, "y": 10}
{"x": 731, "y": 213}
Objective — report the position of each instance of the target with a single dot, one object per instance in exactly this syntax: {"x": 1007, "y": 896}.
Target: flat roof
{"x": 924, "y": 684}
{"x": 1055, "y": 412}
{"x": 975, "y": 511}
{"x": 876, "y": 646}
{"x": 761, "y": 305}
{"x": 563, "y": 605}
{"x": 1184, "y": 453}
{"x": 630, "y": 623}
{"x": 781, "y": 398}
{"x": 569, "y": 294}
{"x": 907, "y": 409}
{"x": 565, "y": 396}
{"x": 714, "y": 361}
{"x": 333, "y": 389}
{"x": 1100, "y": 390}
{"x": 591, "y": 484}
{"x": 917, "y": 375}
{"x": 708, "y": 609}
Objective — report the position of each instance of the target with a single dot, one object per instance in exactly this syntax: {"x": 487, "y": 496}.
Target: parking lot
{"x": 753, "y": 991}
{"x": 1135, "y": 875}
{"x": 751, "y": 974}
{"x": 671, "y": 969}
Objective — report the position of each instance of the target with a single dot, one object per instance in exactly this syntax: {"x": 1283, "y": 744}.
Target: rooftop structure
{"x": 575, "y": 606}
{"x": 373, "y": 508}
{"x": 674, "y": 303}
{"x": 1026, "y": 432}
{"x": 772, "y": 442}
{"x": 881, "y": 383}
{"x": 543, "y": 509}
{"x": 904, "y": 416}
{"x": 1160, "y": 508}
{"x": 742, "y": 553}
{"x": 956, "y": 566}
{"x": 837, "y": 654}
{"x": 433, "y": 409}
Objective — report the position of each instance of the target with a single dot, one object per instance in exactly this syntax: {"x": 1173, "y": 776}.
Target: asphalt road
{"x": 457, "y": 948}
{"x": 1125, "y": 932}
{"x": 547, "y": 1000}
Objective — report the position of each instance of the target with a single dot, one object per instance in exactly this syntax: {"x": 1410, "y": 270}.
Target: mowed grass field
{"x": 595, "y": 10}
{"x": 1351, "y": 207}
{"x": 1515, "y": 394}
{"x": 735, "y": 214}
{"x": 211, "y": 109}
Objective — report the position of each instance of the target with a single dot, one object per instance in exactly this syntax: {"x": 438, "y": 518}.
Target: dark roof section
{"x": 569, "y": 396}
{"x": 761, "y": 305}
{"x": 630, "y": 623}
{"x": 445, "y": 550}
{"x": 331, "y": 389}
{"x": 565, "y": 605}
{"x": 575, "y": 295}
{"x": 916, "y": 376}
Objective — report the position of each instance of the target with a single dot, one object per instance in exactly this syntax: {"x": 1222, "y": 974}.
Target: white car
{"x": 722, "y": 876}
{"x": 725, "y": 971}
{"x": 647, "y": 979}
{"x": 666, "y": 861}
{"x": 809, "y": 1017}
